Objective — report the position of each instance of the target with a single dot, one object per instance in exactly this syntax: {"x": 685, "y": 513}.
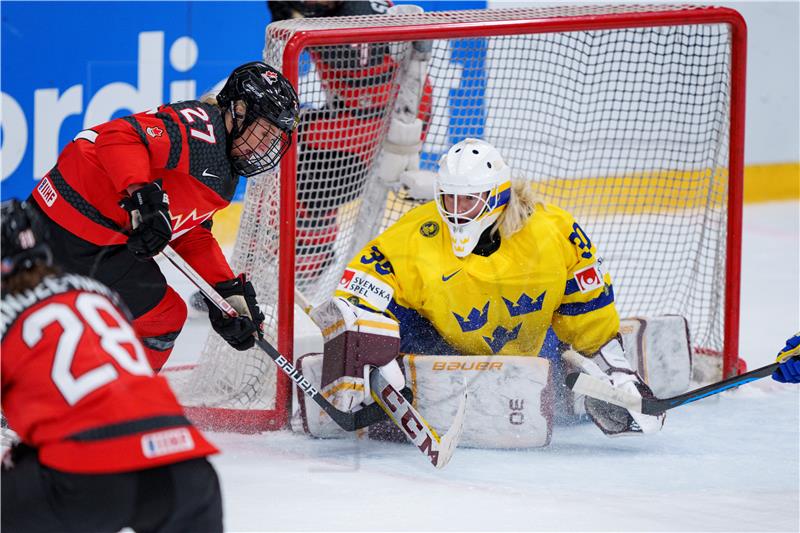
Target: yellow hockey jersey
{"x": 547, "y": 274}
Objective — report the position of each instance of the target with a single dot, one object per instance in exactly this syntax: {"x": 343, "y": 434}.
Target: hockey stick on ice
{"x": 345, "y": 420}
{"x": 602, "y": 390}
{"x": 437, "y": 449}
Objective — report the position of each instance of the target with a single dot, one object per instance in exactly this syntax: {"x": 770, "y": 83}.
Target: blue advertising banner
{"x": 66, "y": 66}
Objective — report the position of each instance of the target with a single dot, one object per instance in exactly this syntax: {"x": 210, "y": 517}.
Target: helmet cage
{"x": 262, "y": 154}
{"x": 465, "y": 232}
{"x": 489, "y": 201}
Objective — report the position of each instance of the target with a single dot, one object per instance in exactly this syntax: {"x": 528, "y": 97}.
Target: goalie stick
{"x": 438, "y": 450}
{"x": 602, "y": 390}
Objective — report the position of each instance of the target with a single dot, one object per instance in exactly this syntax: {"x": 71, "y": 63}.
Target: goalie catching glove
{"x": 610, "y": 364}
{"x": 151, "y": 229}
{"x": 240, "y": 331}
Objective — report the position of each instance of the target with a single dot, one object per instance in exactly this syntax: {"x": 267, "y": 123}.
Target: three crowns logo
{"x": 475, "y": 319}
{"x": 524, "y": 305}
{"x": 501, "y": 336}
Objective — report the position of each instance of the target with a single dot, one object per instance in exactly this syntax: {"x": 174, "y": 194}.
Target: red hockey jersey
{"x": 183, "y": 144}
{"x": 77, "y": 386}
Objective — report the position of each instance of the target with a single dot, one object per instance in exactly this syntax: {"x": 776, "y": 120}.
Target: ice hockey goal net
{"x": 630, "y": 117}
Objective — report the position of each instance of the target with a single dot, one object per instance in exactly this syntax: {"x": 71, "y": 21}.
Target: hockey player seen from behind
{"x": 104, "y": 443}
{"x": 123, "y": 190}
{"x": 483, "y": 270}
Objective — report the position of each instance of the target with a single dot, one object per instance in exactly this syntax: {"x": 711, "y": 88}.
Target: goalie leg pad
{"x": 309, "y": 417}
{"x": 510, "y": 400}
{"x": 659, "y": 350}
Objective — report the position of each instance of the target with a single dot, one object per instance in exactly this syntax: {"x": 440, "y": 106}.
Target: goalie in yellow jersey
{"x": 485, "y": 269}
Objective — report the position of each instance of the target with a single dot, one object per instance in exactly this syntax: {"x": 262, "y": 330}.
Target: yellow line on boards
{"x": 666, "y": 191}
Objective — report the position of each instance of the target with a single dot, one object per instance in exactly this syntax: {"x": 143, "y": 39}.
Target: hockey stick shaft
{"x": 602, "y": 390}
{"x": 345, "y": 420}
{"x": 655, "y": 406}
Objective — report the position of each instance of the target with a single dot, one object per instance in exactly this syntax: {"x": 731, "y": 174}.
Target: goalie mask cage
{"x": 630, "y": 117}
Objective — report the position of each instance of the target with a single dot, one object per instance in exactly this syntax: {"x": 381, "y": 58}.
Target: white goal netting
{"x": 626, "y": 127}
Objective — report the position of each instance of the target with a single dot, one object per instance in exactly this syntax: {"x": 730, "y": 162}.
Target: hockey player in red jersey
{"x": 360, "y": 83}
{"x": 123, "y": 190}
{"x": 104, "y": 443}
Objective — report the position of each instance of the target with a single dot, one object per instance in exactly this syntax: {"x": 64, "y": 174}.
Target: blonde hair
{"x": 209, "y": 98}
{"x": 521, "y": 206}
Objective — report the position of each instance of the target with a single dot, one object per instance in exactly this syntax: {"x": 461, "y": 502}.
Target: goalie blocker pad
{"x": 510, "y": 403}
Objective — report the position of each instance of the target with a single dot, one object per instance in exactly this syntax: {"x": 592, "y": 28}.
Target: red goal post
{"x": 631, "y": 117}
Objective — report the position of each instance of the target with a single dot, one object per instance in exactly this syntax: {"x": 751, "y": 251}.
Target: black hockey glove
{"x": 238, "y": 332}
{"x": 150, "y": 222}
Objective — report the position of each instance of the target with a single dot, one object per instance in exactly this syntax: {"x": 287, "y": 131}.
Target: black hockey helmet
{"x": 316, "y": 8}
{"x": 268, "y": 100}
{"x": 23, "y": 238}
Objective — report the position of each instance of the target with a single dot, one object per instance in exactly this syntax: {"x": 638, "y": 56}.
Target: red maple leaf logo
{"x": 155, "y": 131}
{"x": 270, "y": 76}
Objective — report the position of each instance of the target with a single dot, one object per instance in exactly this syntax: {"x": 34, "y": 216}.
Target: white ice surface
{"x": 728, "y": 463}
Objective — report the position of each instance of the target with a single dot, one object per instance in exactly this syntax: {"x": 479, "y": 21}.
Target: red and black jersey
{"x": 359, "y": 77}
{"x": 182, "y": 144}
{"x": 76, "y": 384}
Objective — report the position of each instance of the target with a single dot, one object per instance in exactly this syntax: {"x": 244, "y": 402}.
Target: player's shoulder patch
{"x": 589, "y": 278}
{"x": 412, "y": 222}
{"x": 429, "y": 228}
{"x": 366, "y": 287}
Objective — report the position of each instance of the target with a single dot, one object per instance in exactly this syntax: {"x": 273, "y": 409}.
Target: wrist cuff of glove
{"x": 231, "y": 287}
{"x": 611, "y": 357}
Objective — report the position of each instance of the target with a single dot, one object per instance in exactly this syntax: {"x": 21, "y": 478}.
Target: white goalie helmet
{"x": 472, "y": 189}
